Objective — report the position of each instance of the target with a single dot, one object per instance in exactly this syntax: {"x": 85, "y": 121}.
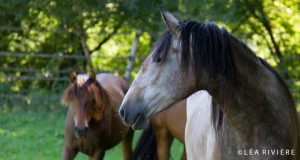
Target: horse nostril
{"x": 122, "y": 112}
{"x": 86, "y": 129}
{"x": 76, "y": 129}
{"x": 81, "y": 131}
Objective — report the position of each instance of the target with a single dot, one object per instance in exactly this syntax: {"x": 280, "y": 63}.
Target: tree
{"x": 103, "y": 29}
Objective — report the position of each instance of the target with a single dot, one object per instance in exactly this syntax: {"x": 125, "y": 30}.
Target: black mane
{"x": 162, "y": 47}
{"x": 210, "y": 52}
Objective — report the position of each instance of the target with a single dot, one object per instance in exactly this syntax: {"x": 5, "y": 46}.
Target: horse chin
{"x": 80, "y": 136}
{"x": 141, "y": 123}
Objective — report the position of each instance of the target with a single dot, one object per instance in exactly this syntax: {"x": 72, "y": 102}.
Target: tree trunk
{"x": 132, "y": 55}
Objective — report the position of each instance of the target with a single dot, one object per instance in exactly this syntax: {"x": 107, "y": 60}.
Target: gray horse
{"x": 252, "y": 110}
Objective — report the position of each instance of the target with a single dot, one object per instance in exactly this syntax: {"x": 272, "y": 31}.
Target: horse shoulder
{"x": 175, "y": 119}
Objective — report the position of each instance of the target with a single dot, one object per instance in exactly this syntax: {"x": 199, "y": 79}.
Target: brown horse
{"x": 93, "y": 124}
{"x": 155, "y": 142}
{"x": 166, "y": 126}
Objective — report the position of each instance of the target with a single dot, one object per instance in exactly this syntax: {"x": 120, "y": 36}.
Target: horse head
{"x": 188, "y": 57}
{"x": 159, "y": 83}
{"x": 84, "y": 98}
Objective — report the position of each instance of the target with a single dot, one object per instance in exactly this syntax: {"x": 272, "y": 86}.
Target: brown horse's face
{"x": 82, "y": 110}
{"x": 82, "y": 96}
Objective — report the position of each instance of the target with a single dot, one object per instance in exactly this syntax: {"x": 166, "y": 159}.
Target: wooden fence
{"x": 293, "y": 83}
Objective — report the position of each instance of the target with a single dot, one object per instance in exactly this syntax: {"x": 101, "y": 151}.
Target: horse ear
{"x": 171, "y": 22}
{"x": 73, "y": 76}
{"x": 92, "y": 76}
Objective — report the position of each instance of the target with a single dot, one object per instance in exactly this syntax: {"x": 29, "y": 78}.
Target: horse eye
{"x": 157, "y": 60}
{"x": 94, "y": 103}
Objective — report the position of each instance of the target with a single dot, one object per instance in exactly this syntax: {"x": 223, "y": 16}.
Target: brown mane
{"x": 85, "y": 85}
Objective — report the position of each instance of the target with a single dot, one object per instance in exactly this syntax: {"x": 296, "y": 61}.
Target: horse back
{"x": 116, "y": 87}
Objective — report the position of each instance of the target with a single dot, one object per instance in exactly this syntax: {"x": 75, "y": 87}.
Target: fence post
{"x": 86, "y": 52}
{"x": 132, "y": 55}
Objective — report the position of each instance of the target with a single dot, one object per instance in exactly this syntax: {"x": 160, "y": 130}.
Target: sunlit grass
{"x": 39, "y": 136}
{"x": 31, "y": 136}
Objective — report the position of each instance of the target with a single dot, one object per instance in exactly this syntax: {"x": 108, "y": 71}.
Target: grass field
{"x": 38, "y": 135}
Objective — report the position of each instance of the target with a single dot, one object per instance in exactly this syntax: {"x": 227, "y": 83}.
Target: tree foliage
{"x": 107, "y": 29}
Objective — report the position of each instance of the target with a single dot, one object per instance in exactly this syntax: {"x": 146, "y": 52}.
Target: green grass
{"x": 38, "y": 135}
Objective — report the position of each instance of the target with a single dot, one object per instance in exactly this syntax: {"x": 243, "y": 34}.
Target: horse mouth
{"x": 141, "y": 122}
{"x": 80, "y": 136}
{"x": 80, "y": 133}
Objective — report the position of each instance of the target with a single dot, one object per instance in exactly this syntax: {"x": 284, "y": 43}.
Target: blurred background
{"x": 41, "y": 41}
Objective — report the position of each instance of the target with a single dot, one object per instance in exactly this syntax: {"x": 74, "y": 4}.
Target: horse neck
{"x": 257, "y": 105}
{"x": 105, "y": 100}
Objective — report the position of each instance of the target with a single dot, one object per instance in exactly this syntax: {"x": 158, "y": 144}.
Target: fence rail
{"x": 61, "y": 31}
{"x": 63, "y": 55}
{"x": 46, "y": 74}
{"x": 28, "y": 78}
{"x": 20, "y": 96}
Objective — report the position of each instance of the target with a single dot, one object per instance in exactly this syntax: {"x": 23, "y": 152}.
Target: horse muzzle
{"x": 132, "y": 116}
{"x": 80, "y": 132}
